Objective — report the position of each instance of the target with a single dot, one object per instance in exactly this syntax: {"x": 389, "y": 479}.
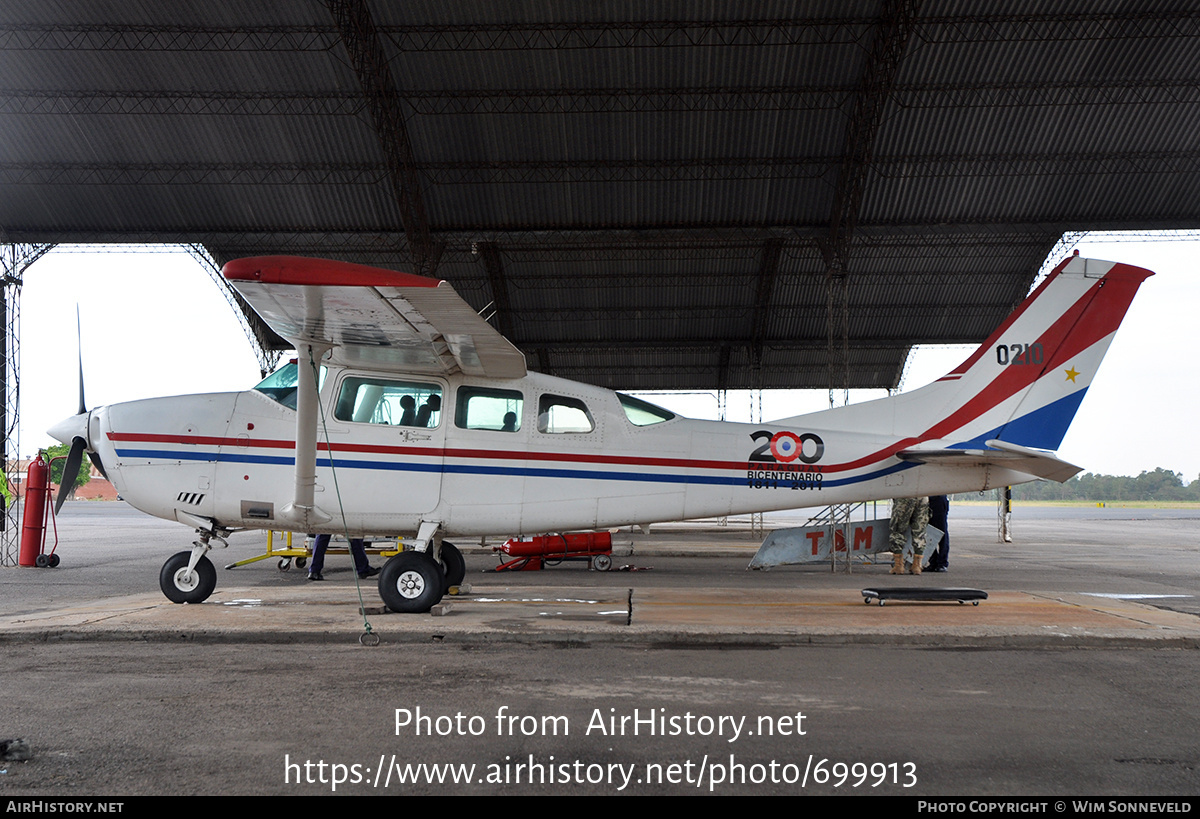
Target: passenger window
{"x": 366, "y": 400}
{"x": 485, "y": 408}
{"x": 558, "y": 414}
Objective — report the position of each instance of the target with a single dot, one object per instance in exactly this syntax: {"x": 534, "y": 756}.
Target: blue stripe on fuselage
{"x": 469, "y": 469}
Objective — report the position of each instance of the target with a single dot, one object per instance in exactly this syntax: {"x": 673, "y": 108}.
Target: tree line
{"x": 1159, "y": 485}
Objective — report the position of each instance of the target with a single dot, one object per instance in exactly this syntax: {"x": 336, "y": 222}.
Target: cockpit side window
{"x": 560, "y": 414}
{"x": 487, "y": 408}
{"x": 642, "y": 413}
{"x": 281, "y": 385}
{"x": 370, "y": 400}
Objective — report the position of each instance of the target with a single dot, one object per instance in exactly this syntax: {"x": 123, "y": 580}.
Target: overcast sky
{"x": 155, "y": 324}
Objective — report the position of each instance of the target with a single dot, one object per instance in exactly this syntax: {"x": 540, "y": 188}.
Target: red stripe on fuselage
{"x": 448, "y": 452}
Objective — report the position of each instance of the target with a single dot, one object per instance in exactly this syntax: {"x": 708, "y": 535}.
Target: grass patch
{"x": 1081, "y": 504}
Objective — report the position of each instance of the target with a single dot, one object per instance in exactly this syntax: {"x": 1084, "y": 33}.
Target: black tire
{"x": 41, "y": 561}
{"x": 301, "y": 562}
{"x": 411, "y": 583}
{"x": 284, "y": 564}
{"x": 53, "y": 561}
{"x": 454, "y": 567}
{"x": 181, "y": 589}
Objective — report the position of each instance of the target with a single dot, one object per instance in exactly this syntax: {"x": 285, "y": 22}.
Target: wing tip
{"x": 302, "y": 270}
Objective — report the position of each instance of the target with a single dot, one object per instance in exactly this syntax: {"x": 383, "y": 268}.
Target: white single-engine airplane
{"x": 406, "y": 412}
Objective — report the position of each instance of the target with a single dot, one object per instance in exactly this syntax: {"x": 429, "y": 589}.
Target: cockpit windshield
{"x": 281, "y": 385}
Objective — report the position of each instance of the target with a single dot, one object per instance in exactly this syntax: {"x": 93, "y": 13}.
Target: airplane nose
{"x": 68, "y": 429}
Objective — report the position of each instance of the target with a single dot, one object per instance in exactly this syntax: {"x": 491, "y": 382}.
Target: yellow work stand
{"x": 300, "y": 554}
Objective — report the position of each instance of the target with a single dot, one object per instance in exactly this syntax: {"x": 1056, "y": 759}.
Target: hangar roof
{"x": 647, "y": 195}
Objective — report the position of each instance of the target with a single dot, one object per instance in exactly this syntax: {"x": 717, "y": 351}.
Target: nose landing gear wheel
{"x": 411, "y": 583}
{"x": 182, "y": 586}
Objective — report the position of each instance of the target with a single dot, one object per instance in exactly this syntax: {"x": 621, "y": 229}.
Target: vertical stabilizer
{"x": 1024, "y": 384}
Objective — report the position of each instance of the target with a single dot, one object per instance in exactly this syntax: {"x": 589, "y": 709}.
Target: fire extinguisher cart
{"x": 533, "y": 553}
{"x": 39, "y": 510}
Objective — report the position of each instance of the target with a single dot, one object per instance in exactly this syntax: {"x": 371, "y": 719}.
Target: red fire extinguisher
{"x": 33, "y": 531}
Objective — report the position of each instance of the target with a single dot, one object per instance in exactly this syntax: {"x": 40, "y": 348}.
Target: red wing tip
{"x": 301, "y": 270}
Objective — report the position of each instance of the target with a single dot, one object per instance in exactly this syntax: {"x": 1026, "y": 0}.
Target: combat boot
{"x": 897, "y": 564}
{"x": 916, "y": 564}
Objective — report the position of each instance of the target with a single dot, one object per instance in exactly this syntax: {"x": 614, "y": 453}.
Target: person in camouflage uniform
{"x": 908, "y": 513}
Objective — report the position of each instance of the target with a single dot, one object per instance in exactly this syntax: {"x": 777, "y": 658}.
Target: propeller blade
{"x": 79, "y": 347}
{"x": 70, "y": 472}
{"x": 96, "y": 462}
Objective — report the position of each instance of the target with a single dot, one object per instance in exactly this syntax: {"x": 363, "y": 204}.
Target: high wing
{"x": 374, "y": 318}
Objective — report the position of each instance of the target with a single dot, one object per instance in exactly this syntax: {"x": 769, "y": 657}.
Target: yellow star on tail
{"x": 1071, "y": 373}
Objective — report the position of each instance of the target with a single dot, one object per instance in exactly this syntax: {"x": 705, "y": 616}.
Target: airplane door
{"x": 387, "y": 434}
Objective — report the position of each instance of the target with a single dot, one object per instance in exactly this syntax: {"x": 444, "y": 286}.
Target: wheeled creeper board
{"x": 922, "y": 595}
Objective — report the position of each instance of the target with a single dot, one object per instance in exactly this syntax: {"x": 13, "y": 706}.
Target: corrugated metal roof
{"x": 662, "y": 187}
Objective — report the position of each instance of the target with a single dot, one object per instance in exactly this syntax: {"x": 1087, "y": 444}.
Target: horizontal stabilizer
{"x": 1033, "y": 462}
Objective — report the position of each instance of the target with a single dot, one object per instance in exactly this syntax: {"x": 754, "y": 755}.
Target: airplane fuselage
{"x": 408, "y": 414}
{"x": 524, "y": 456}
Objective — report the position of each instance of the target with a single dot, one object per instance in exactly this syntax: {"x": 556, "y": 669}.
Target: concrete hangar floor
{"x": 694, "y": 676}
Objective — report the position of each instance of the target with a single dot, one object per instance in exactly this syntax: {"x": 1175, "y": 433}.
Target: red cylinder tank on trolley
{"x": 532, "y": 553}
{"x": 33, "y": 521}
{"x": 577, "y": 543}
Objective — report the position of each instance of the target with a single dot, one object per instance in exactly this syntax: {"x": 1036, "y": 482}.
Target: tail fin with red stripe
{"x": 1024, "y": 384}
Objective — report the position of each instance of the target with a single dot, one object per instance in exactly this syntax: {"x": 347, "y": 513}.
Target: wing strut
{"x": 303, "y": 509}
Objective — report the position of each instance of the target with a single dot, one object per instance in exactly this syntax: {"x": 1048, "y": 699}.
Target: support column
{"x": 1004, "y": 515}
{"x": 14, "y": 259}
{"x": 837, "y": 326}
{"x": 257, "y": 331}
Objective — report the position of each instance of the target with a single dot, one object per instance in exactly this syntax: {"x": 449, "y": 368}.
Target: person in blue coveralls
{"x": 357, "y": 551}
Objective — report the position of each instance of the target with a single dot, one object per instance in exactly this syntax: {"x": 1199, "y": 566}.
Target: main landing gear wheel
{"x": 411, "y": 582}
{"x": 453, "y": 565}
{"x": 182, "y": 586}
